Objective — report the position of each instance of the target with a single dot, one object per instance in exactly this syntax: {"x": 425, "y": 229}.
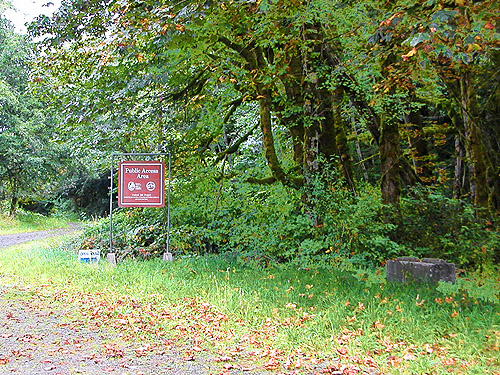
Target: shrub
{"x": 269, "y": 224}
{"x": 436, "y": 226}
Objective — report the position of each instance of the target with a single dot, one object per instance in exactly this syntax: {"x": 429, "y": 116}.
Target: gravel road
{"x": 18, "y": 238}
{"x": 36, "y": 339}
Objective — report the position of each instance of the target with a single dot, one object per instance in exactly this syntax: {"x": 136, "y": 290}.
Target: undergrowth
{"x": 271, "y": 225}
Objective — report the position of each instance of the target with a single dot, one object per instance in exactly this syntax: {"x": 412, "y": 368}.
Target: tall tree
{"x": 280, "y": 55}
{"x": 456, "y": 42}
{"x": 27, "y": 157}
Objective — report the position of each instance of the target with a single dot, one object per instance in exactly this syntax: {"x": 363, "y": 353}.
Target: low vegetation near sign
{"x": 281, "y": 318}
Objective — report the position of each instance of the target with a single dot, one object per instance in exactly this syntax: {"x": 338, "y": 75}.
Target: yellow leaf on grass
{"x": 407, "y": 56}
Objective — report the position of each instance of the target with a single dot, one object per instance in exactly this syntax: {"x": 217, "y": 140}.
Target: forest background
{"x": 317, "y": 132}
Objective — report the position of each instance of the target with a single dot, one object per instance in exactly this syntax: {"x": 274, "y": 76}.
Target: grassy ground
{"x": 30, "y": 222}
{"x": 285, "y": 320}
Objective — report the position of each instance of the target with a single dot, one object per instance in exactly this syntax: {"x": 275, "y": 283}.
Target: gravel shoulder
{"x": 38, "y": 339}
{"x": 19, "y": 238}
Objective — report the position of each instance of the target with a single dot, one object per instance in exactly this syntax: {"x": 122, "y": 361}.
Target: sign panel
{"x": 141, "y": 184}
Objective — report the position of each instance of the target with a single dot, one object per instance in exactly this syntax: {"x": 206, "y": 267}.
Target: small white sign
{"x": 89, "y": 256}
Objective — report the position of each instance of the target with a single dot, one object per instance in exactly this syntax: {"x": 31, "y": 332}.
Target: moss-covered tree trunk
{"x": 474, "y": 147}
{"x": 323, "y": 119}
{"x": 418, "y": 144}
{"x": 490, "y": 134}
{"x": 390, "y": 156}
{"x": 265, "y": 105}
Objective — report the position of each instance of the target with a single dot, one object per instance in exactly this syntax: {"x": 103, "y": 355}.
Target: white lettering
{"x": 144, "y": 170}
{"x": 132, "y": 170}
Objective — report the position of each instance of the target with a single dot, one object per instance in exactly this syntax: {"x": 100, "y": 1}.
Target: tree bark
{"x": 13, "y": 206}
{"x": 459, "y": 183}
{"x": 267, "y": 136}
{"x": 390, "y": 156}
{"x": 475, "y": 151}
{"x": 293, "y": 116}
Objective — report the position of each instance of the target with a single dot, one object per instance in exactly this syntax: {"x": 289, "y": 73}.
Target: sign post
{"x": 140, "y": 184}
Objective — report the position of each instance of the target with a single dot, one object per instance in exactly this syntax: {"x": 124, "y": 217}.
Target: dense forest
{"x": 316, "y": 132}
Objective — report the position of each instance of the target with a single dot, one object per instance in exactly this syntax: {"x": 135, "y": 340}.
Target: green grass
{"x": 303, "y": 315}
{"x": 30, "y": 222}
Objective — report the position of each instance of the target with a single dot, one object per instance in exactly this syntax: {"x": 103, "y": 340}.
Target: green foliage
{"x": 25, "y": 221}
{"x": 433, "y": 225}
{"x": 29, "y": 160}
{"x": 353, "y": 226}
{"x": 254, "y": 91}
{"x": 82, "y": 192}
{"x": 268, "y": 225}
{"x": 476, "y": 288}
{"x": 265, "y": 224}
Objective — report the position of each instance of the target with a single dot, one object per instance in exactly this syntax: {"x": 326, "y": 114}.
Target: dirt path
{"x": 36, "y": 339}
{"x": 18, "y": 238}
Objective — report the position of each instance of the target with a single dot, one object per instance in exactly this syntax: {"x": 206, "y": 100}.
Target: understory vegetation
{"x": 267, "y": 225}
{"x": 282, "y": 318}
{"x": 31, "y": 222}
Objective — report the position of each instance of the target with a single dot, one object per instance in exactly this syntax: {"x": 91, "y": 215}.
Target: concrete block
{"x": 111, "y": 258}
{"x": 405, "y": 269}
{"x": 408, "y": 259}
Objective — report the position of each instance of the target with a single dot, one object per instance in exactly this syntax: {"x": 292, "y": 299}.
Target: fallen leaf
{"x": 407, "y": 56}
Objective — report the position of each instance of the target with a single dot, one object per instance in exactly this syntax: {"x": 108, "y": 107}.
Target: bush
{"x": 435, "y": 226}
{"x": 269, "y": 224}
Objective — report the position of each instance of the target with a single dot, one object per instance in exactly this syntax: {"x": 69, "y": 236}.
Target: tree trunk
{"x": 341, "y": 142}
{"x": 267, "y": 135}
{"x": 460, "y": 181}
{"x": 390, "y": 156}
{"x": 418, "y": 145}
{"x": 389, "y": 144}
{"x": 322, "y": 104}
{"x": 13, "y": 206}
{"x": 293, "y": 116}
{"x": 490, "y": 131}
{"x": 475, "y": 151}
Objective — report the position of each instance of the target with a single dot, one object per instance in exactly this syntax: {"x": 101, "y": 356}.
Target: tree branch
{"x": 232, "y": 149}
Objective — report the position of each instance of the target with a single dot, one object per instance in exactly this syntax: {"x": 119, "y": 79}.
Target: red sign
{"x": 141, "y": 184}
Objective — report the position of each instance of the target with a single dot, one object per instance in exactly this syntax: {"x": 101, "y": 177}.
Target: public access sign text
{"x": 141, "y": 184}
